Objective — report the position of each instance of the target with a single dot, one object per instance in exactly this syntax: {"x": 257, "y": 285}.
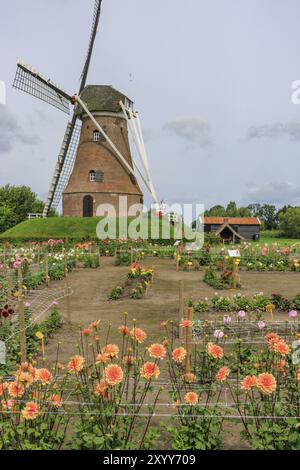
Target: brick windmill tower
{"x": 98, "y": 176}
{"x": 95, "y": 164}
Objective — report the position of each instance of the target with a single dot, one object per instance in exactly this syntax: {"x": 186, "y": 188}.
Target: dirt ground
{"x": 89, "y": 302}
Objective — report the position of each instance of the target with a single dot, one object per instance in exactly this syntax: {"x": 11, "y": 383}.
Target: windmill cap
{"x": 102, "y": 98}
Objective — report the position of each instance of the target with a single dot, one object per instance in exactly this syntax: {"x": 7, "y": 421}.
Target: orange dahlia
{"x": 248, "y": 382}
{"x": 55, "y": 400}
{"x": 124, "y": 330}
{"x": 26, "y": 367}
{"x": 3, "y": 387}
{"x": 222, "y": 374}
{"x": 272, "y": 337}
{"x": 266, "y": 383}
{"x": 44, "y": 376}
{"x": 16, "y": 389}
{"x": 31, "y": 411}
{"x": 111, "y": 350}
{"x": 149, "y": 371}
{"x": 102, "y": 358}
{"x": 186, "y": 323}
{"x": 86, "y": 332}
{"x": 281, "y": 348}
{"x": 157, "y": 351}
{"x": 179, "y": 354}
{"x": 189, "y": 378}
{"x": 76, "y": 364}
{"x": 214, "y": 350}
{"x": 191, "y": 398}
{"x": 113, "y": 374}
{"x": 138, "y": 334}
{"x": 101, "y": 389}
{"x": 25, "y": 377}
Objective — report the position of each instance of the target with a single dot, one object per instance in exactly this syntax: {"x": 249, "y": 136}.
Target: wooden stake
{"x": 75, "y": 257}
{"x": 21, "y": 317}
{"x": 68, "y": 300}
{"x": 65, "y": 264}
{"x": 181, "y": 307}
{"x": 131, "y": 255}
{"x": 189, "y": 340}
{"x": 99, "y": 256}
{"x": 234, "y": 273}
{"x": 47, "y": 270}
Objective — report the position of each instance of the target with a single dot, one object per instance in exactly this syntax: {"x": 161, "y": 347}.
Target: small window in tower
{"x": 92, "y": 176}
{"x": 97, "y": 136}
{"x": 99, "y": 176}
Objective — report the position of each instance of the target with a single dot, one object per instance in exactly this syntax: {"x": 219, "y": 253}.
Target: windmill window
{"x": 97, "y": 136}
{"x": 96, "y": 176}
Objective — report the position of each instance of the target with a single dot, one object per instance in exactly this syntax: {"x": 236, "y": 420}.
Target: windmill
{"x": 94, "y": 164}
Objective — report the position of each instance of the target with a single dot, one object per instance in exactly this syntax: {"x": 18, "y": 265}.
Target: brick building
{"x": 98, "y": 176}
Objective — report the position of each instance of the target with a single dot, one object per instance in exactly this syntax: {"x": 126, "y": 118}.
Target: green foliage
{"x": 47, "y": 327}
{"x": 289, "y": 222}
{"x": 116, "y": 293}
{"x": 91, "y": 261}
{"x": 279, "y": 434}
{"x": 196, "y": 434}
{"x": 16, "y": 203}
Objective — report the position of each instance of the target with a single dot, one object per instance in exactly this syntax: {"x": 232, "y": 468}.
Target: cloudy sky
{"x": 210, "y": 78}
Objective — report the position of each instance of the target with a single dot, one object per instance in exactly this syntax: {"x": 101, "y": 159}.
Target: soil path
{"x": 91, "y": 288}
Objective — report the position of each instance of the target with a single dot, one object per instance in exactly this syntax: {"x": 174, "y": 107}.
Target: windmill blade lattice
{"x": 32, "y": 82}
{"x": 64, "y": 165}
{"x": 96, "y": 18}
{"x": 67, "y": 165}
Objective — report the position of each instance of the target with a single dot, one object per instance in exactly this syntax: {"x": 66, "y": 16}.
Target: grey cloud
{"x": 192, "y": 129}
{"x": 273, "y": 131}
{"x": 11, "y": 132}
{"x": 275, "y": 192}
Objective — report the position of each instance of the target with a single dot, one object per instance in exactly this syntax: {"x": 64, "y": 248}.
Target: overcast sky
{"x": 210, "y": 78}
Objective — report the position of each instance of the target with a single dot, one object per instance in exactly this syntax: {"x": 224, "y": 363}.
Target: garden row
{"x": 108, "y": 394}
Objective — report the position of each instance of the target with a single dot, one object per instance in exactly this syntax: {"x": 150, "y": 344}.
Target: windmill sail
{"x": 68, "y": 164}
{"x": 69, "y": 149}
{"x": 31, "y": 81}
{"x": 96, "y": 18}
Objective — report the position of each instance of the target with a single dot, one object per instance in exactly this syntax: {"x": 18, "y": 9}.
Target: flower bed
{"x": 136, "y": 285}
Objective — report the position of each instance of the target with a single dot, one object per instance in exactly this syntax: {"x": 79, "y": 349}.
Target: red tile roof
{"x": 232, "y": 220}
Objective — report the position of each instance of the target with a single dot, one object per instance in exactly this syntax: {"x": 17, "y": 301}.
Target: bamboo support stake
{"x": 65, "y": 264}
{"x": 47, "y": 269}
{"x": 21, "y": 317}
{"x": 9, "y": 284}
{"x": 99, "y": 256}
{"x": 131, "y": 255}
{"x": 68, "y": 300}
{"x": 181, "y": 307}
{"x": 75, "y": 256}
{"x": 38, "y": 255}
{"x": 189, "y": 340}
{"x": 234, "y": 273}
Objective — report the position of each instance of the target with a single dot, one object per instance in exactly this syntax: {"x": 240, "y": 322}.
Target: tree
{"x": 216, "y": 211}
{"x": 16, "y": 202}
{"x": 231, "y": 209}
{"x": 289, "y": 222}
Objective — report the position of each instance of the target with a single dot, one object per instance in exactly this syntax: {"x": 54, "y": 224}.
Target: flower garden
{"x": 187, "y": 368}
